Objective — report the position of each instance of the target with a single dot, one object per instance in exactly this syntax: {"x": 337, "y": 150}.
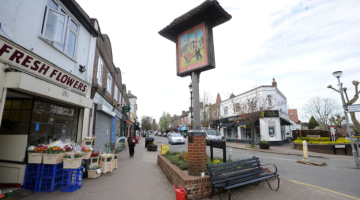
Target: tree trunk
{"x": 355, "y": 121}
{"x": 252, "y": 136}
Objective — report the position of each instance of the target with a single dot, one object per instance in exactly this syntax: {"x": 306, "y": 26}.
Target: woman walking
{"x": 132, "y": 141}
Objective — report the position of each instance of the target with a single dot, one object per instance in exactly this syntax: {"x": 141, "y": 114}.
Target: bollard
{"x": 305, "y": 150}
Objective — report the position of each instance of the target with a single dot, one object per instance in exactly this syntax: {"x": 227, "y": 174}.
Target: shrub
{"x": 321, "y": 140}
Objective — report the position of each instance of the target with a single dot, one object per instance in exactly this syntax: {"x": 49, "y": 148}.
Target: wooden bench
{"x": 231, "y": 175}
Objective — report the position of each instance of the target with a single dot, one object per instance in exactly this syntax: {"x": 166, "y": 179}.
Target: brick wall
{"x": 326, "y": 148}
{"x": 196, "y": 187}
{"x": 197, "y": 155}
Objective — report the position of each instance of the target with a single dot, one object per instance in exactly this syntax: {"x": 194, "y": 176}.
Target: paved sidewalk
{"x": 138, "y": 177}
{"x": 289, "y": 150}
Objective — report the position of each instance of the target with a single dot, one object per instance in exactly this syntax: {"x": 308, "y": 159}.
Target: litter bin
{"x": 148, "y": 141}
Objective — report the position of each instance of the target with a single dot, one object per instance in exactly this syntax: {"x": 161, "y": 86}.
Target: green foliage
{"x": 312, "y": 123}
{"x": 321, "y": 140}
{"x": 356, "y": 131}
{"x": 108, "y": 147}
{"x": 165, "y": 121}
{"x": 120, "y": 147}
{"x": 264, "y": 142}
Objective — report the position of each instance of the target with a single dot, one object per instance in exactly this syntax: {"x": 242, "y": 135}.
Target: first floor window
{"x": 225, "y": 110}
{"x": 271, "y": 130}
{"x": 60, "y": 29}
{"x": 109, "y": 83}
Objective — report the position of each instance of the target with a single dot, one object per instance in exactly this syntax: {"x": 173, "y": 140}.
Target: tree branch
{"x": 329, "y": 86}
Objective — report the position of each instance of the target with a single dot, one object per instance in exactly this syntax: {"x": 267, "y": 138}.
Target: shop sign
{"x": 28, "y": 62}
{"x": 126, "y": 108}
{"x": 353, "y": 108}
{"x": 127, "y": 122}
{"x": 98, "y": 99}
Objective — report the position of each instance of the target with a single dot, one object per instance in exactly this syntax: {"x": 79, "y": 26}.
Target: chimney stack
{"x": 274, "y": 83}
{"x": 183, "y": 111}
{"x": 129, "y": 91}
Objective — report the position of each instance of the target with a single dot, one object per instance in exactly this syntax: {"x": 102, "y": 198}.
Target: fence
{"x": 305, "y": 133}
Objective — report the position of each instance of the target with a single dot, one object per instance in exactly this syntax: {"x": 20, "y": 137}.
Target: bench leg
{"x": 229, "y": 194}
{"x": 218, "y": 193}
{"x": 257, "y": 183}
{"x": 277, "y": 186}
{"x": 212, "y": 192}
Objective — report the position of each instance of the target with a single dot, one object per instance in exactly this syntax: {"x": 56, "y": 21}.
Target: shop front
{"x": 269, "y": 127}
{"x": 40, "y": 103}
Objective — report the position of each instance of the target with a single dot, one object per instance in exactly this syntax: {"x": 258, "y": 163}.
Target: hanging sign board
{"x": 126, "y": 108}
{"x": 193, "y": 35}
{"x": 353, "y": 108}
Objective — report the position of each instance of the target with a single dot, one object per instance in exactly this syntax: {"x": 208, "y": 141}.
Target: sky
{"x": 297, "y": 42}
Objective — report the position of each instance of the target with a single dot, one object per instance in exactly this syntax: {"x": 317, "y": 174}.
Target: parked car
{"x": 212, "y": 135}
{"x": 176, "y": 138}
{"x": 164, "y": 134}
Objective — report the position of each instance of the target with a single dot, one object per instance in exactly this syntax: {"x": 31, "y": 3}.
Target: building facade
{"x": 46, "y": 61}
{"x": 272, "y": 126}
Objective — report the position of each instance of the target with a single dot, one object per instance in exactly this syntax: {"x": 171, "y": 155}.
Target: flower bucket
{"x": 35, "y": 158}
{"x": 93, "y": 174}
{"x": 72, "y": 163}
{"x": 114, "y": 161}
{"x": 86, "y": 155}
{"x": 106, "y": 167}
{"x": 52, "y": 158}
{"x": 94, "y": 161}
{"x": 86, "y": 143}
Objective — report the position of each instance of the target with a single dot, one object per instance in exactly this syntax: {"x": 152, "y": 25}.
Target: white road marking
{"x": 270, "y": 157}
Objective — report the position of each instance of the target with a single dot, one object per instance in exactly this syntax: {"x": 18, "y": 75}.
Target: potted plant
{"x": 34, "y": 154}
{"x": 264, "y": 144}
{"x": 86, "y": 152}
{"x": 52, "y": 154}
{"x": 223, "y": 138}
{"x": 72, "y": 161}
{"x": 152, "y": 146}
{"x": 94, "y": 172}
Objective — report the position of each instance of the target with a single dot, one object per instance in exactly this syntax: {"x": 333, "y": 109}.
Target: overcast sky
{"x": 299, "y": 43}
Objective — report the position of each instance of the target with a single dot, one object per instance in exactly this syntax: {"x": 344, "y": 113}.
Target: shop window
{"x": 271, "y": 131}
{"x": 16, "y": 117}
{"x": 54, "y": 121}
{"x": 59, "y": 29}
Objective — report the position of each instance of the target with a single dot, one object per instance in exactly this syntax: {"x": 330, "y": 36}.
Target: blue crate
{"x": 72, "y": 179}
{"x": 33, "y": 170}
{"x": 51, "y": 171}
{"x": 50, "y": 184}
{"x": 31, "y": 184}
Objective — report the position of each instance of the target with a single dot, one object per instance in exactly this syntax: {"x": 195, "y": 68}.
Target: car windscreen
{"x": 213, "y": 132}
{"x": 176, "y": 135}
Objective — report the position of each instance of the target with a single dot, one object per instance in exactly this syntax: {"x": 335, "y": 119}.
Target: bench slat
{"x": 230, "y": 169}
{"x": 230, "y": 163}
{"x": 245, "y": 169}
{"x": 251, "y": 181}
{"x": 251, "y": 173}
{"x": 234, "y": 182}
{"x": 233, "y": 166}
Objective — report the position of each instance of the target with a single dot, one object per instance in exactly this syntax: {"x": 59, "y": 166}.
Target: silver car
{"x": 176, "y": 138}
{"x": 212, "y": 135}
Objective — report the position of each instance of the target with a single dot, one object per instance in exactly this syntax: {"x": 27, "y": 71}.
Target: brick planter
{"x": 196, "y": 187}
{"x": 326, "y": 148}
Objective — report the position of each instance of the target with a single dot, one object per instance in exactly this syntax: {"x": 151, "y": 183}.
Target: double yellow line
{"x": 351, "y": 197}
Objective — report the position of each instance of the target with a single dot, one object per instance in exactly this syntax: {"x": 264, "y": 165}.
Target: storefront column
{"x": 85, "y": 122}
{"x": 80, "y": 126}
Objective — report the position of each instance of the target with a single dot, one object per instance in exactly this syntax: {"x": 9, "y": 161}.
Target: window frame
{"x": 100, "y": 71}
{"x": 109, "y": 83}
{"x": 291, "y": 114}
{"x": 225, "y": 110}
{"x": 116, "y": 93}
{"x": 67, "y": 28}
{"x": 272, "y": 127}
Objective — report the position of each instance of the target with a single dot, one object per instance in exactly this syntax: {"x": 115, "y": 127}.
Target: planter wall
{"x": 195, "y": 186}
{"x": 326, "y": 148}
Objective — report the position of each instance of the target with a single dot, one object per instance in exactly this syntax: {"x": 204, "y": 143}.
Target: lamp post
{"x": 337, "y": 75}
{"x": 190, "y": 89}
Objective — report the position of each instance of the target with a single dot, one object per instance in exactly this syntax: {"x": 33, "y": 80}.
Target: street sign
{"x": 126, "y": 108}
{"x": 353, "y": 108}
{"x": 340, "y": 146}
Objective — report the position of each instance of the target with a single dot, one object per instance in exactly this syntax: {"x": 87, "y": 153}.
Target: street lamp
{"x": 337, "y": 75}
{"x": 190, "y": 89}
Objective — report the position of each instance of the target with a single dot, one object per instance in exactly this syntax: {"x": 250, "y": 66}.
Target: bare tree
{"x": 205, "y": 99}
{"x": 321, "y": 109}
{"x": 337, "y": 121}
{"x": 154, "y": 125}
{"x": 146, "y": 122}
{"x": 252, "y": 107}
{"x": 352, "y": 101}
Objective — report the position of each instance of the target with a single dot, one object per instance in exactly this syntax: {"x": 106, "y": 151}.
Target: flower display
{"x": 31, "y": 148}
{"x": 68, "y": 148}
{"x": 85, "y": 149}
{"x": 94, "y": 155}
{"x": 76, "y": 155}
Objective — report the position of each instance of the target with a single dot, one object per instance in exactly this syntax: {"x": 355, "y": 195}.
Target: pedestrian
{"x": 132, "y": 142}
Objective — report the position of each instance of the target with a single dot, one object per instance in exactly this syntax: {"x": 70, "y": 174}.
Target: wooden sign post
{"x": 192, "y": 33}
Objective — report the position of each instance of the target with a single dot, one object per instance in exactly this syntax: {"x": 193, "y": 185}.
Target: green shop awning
{"x": 184, "y": 128}
{"x": 137, "y": 127}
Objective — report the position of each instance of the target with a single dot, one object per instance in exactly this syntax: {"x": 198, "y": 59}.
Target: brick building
{"x": 107, "y": 120}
